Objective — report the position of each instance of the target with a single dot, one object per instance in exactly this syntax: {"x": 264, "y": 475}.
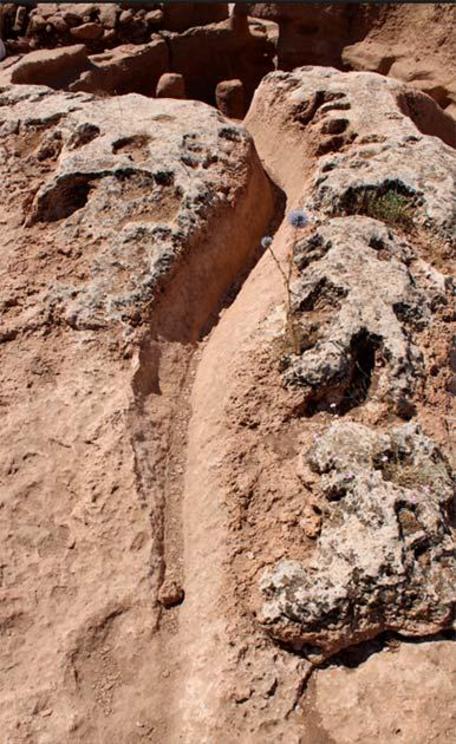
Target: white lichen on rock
{"x": 386, "y": 556}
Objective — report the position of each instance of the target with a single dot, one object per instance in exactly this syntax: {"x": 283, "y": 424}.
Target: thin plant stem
{"x": 291, "y": 328}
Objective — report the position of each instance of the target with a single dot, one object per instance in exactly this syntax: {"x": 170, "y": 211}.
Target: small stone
{"x": 171, "y": 85}
{"x": 242, "y": 694}
{"x": 126, "y": 17}
{"x": 59, "y": 25}
{"x": 170, "y": 594}
{"x": 108, "y": 13}
{"x": 87, "y": 32}
{"x": 154, "y": 18}
{"x": 230, "y": 98}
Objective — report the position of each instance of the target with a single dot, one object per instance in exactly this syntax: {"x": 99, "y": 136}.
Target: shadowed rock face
{"x": 125, "y": 69}
{"x": 55, "y": 68}
{"x": 385, "y": 559}
{"x": 210, "y": 54}
{"x": 371, "y": 37}
{"x": 315, "y": 34}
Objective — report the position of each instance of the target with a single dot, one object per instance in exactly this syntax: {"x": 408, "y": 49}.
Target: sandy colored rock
{"x": 87, "y": 32}
{"x": 435, "y": 82}
{"x": 154, "y": 18}
{"x": 347, "y": 705}
{"x": 218, "y": 448}
{"x": 170, "y": 594}
{"x": 407, "y": 42}
{"x": 53, "y": 67}
{"x": 88, "y": 387}
{"x": 125, "y": 69}
{"x": 61, "y": 26}
{"x": 371, "y": 57}
{"x": 432, "y": 78}
{"x": 230, "y": 98}
{"x": 171, "y": 85}
{"x": 108, "y": 14}
{"x": 315, "y": 34}
{"x": 422, "y": 41}
{"x": 126, "y": 17}
{"x": 386, "y": 556}
{"x": 209, "y": 54}
{"x": 355, "y": 339}
{"x": 359, "y": 124}
{"x": 202, "y": 43}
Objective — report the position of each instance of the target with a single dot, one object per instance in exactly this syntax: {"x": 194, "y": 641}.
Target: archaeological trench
{"x": 228, "y": 373}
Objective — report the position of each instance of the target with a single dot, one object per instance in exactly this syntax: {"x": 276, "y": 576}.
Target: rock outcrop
{"x": 348, "y": 704}
{"x": 357, "y": 342}
{"x": 204, "y": 56}
{"x": 207, "y": 55}
{"x": 361, "y": 305}
{"x": 55, "y": 68}
{"x": 355, "y": 36}
{"x": 425, "y": 63}
{"x": 126, "y": 69}
{"x": 228, "y": 467}
{"x": 100, "y": 25}
{"x": 230, "y": 98}
{"x": 315, "y": 34}
{"x": 378, "y": 279}
{"x": 118, "y": 248}
{"x": 359, "y": 123}
{"x": 406, "y": 42}
{"x": 93, "y": 152}
{"x": 386, "y": 556}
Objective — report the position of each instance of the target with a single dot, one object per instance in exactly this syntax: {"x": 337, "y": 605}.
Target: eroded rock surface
{"x": 369, "y": 136}
{"x": 55, "y": 68}
{"x": 314, "y": 34}
{"x": 371, "y": 298}
{"x": 137, "y": 178}
{"x": 411, "y": 43}
{"x": 100, "y": 25}
{"x": 426, "y": 63}
{"x": 106, "y": 205}
{"x": 126, "y": 69}
{"x": 207, "y": 55}
{"x": 386, "y": 556}
{"x": 347, "y": 705}
{"x": 175, "y": 493}
{"x": 127, "y": 51}
{"x": 355, "y": 329}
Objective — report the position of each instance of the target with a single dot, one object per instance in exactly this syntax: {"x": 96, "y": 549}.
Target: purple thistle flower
{"x": 298, "y": 218}
{"x": 266, "y": 242}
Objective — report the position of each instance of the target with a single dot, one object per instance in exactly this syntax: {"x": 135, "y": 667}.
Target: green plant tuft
{"x": 390, "y": 206}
